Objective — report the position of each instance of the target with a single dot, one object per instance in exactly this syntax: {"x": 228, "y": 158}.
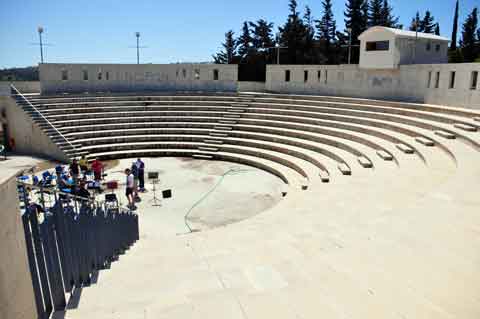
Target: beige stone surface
{"x": 16, "y": 291}
{"x": 393, "y": 242}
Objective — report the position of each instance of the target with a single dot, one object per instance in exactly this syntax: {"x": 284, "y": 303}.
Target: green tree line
{"x": 304, "y": 39}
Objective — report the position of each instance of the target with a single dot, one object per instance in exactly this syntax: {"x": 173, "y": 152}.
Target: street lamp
{"x": 40, "y": 31}
{"x": 137, "y": 34}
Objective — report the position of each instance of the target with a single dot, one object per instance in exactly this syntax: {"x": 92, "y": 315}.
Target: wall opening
{"x": 197, "y": 74}
{"x": 429, "y": 79}
{"x": 99, "y": 76}
{"x": 319, "y": 75}
{"x": 287, "y": 75}
{"x": 305, "y": 76}
{"x": 451, "y": 84}
{"x": 474, "y": 80}
{"x": 85, "y": 75}
{"x": 107, "y": 75}
{"x": 64, "y": 75}
{"x": 215, "y": 75}
{"x": 437, "y": 80}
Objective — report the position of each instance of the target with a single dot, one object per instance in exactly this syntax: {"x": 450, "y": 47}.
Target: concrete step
{"x": 324, "y": 176}
{"x": 344, "y": 169}
{"x": 405, "y": 148}
{"x": 384, "y": 155}
{"x": 236, "y": 110}
{"x": 216, "y": 134}
{"x": 239, "y": 105}
{"x": 232, "y": 116}
{"x": 465, "y": 127}
{"x": 365, "y": 162}
{"x": 202, "y": 156}
{"x": 227, "y": 122}
{"x": 208, "y": 149}
{"x": 212, "y": 141}
{"x": 223, "y": 128}
{"x": 476, "y": 119}
{"x": 445, "y": 134}
{"x": 424, "y": 141}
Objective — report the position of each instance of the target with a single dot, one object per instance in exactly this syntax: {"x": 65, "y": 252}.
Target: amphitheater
{"x": 377, "y": 214}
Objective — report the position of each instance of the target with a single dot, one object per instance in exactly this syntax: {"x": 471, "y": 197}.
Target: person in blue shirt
{"x": 141, "y": 174}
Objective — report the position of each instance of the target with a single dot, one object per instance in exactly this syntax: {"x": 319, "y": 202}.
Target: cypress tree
{"x": 228, "y": 54}
{"x": 437, "y": 28}
{"x": 468, "y": 44}
{"x": 453, "y": 44}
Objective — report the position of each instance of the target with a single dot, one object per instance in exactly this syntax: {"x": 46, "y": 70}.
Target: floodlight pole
{"x": 137, "y": 34}
{"x": 40, "y": 31}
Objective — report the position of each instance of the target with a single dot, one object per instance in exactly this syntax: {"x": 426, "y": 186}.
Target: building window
{"x": 85, "y": 75}
{"x": 107, "y": 75}
{"x": 378, "y": 46}
{"x": 437, "y": 80}
{"x": 64, "y": 75}
{"x": 474, "y": 80}
{"x": 197, "y": 74}
{"x": 429, "y": 79}
{"x": 437, "y": 47}
{"x": 319, "y": 75}
{"x": 99, "y": 77}
{"x": 215, "y": 75}
{"x": 305, "y": 76}
{"x": 451, "y": 83}
{"x": 429, "y": 46}
{"x": 287, "y": 75}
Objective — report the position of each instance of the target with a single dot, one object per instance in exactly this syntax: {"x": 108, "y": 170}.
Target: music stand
{"x": 153, "y": 177}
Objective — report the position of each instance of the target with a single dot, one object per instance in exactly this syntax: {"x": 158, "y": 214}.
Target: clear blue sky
{"x": 174, "y": 31}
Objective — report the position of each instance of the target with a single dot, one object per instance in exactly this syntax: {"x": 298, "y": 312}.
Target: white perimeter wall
{"x": 137, "y": 77}
{"x": 407, "y": 83}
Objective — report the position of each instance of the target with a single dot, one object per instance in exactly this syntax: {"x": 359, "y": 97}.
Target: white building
{"x": 387, "y": 48}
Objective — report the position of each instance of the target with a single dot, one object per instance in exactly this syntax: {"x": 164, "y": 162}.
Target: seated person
{"x": 82, "y": 191}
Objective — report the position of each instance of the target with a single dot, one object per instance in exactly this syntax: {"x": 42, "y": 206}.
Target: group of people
{"x": 74, "y": 179}
{"x": 135, "y": 182}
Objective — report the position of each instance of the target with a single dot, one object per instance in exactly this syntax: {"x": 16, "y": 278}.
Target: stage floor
{"x": 213, "y": 193}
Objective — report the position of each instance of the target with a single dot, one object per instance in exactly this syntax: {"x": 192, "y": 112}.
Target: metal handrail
{"x": 59, "y": 192}
{"x": 14, "y": 89}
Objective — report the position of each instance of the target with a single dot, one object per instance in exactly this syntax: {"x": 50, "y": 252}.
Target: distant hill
{"x": 19, "y": 74}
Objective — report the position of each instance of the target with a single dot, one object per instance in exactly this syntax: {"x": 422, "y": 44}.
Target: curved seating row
{"x": 301, "y": 136}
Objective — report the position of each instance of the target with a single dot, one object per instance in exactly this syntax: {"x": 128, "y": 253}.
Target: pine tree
{"x": 468, "y": 43}
{"x": 427, "y": 24}
{"x": 356, "y": 20}
{"x": 375, "y": 13}
{"x": 228, "y": 54}
{"x": 416, "y": 24}
{"x": 309, "y": 24}
{"x": 245, "y": 41}
{"x": 327, "y": 26}
{"x": 326, "y": 33}
{"x": 389, "y": 20}
{"x": 262, "y": 34}
{"x": 453, "y": 44}
{"x": 292, "y": 35}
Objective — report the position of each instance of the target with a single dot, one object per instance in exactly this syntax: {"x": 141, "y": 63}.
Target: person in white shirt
{"x": 129, "y": 188}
